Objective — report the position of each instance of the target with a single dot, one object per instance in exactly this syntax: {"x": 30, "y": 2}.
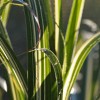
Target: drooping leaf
{"x": 15, "y": 71}
{"x": 57, "y": 69}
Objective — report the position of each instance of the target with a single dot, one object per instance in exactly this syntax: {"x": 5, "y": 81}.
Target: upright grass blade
{"x": 58, "y": 34}
{"x": 42, "y": 70}
{"x": 58, "y": 5}
{"x": 72, "y": 33}
{"x": 48, "y": 15}
{"x": 42, "y": 66}
{"x": 47, "y": 68}
{"x": 39, "y": 63}
{"x": 46, "y": 28}
{"x": 77, "y": 64}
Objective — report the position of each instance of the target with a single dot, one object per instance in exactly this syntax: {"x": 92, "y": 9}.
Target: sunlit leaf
{"x": 78, "y": 62}
{"x": 72, "y": 33}
{"x": 57, "y": 69}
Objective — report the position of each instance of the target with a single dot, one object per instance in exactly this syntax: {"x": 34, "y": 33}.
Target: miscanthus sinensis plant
{"x": 53, "y": 64}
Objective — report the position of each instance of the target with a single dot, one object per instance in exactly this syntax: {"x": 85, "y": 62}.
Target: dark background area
{"x": 17, "y": 31}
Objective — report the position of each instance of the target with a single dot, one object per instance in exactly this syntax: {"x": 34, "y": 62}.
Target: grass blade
{"x": 77, "y": 63}
{"x": 31, "y": 43}
{"x": 57, "y": 20}
{"x": 4, "y": 13}
{"x": 59, "y": 47}
{"x": 48, "y": 14}
{"x": 72, "y": 33}
{"x": 2, "y": 30}
{"x": 16, "y": 73}
{"x": 57, "y": 69}
{"x": 44, "y": 65}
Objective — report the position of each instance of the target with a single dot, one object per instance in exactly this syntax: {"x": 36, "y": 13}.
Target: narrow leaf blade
{"x": 57, "y": 69}
{"x": 72, "y": 33}
{"x": 77, "y": 64}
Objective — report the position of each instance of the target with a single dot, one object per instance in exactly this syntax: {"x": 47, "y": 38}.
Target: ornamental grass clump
{"x": 52, "y": 65}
